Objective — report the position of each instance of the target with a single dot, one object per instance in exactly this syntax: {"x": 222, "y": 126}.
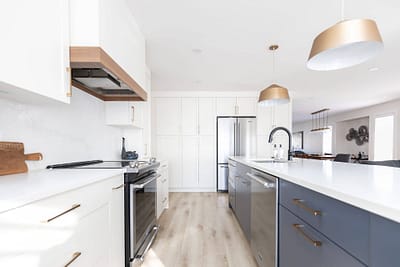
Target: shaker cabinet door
{"x": 34, "y": 49}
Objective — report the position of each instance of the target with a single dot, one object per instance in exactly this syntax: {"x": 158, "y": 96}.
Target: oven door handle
{"x": 149, "y": 180}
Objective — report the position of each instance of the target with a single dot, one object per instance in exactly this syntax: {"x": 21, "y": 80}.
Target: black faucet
{"x": 271, "y": 135}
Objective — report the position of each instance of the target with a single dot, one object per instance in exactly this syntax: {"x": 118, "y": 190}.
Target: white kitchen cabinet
{"x": 236, "y": 106}
{"x": 34, "y": 49}
{"x": 207, "y": 116}
{"x": 267, "y": 119}
{"x": 167, "y": 116}
{"x": 246, "y": 106}
{"x": 190, "y": 157}
{"x": 189, "y": 113}
{"x": 162, "y": 188}
{"x": 207, "y": 162}
{"x": 111, "y": 26}
{"x": 226, "y": 106}
{"x": 126, "y": 114}
{"x": 170, "y": 147}
{"x": 51, "y": 231}
{"x": 117, "y": 230}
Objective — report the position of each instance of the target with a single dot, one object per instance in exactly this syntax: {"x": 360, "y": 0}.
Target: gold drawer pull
{"x": 75, "y": 206}
{"x": 299, "y": 227}
{"x": 300, "y": 203}
{"x": 118, "y": 187}
{"x": 74, "y": 257}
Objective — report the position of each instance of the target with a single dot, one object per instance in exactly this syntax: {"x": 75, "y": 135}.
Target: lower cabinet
{"x": 243, "y": 199}
{"x": 162, "y": 189}
{"x": 301, "y": 245}
{"x": 384, "y": 242}
{"x": 82, "y": 227}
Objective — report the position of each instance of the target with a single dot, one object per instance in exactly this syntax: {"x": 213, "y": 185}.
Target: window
{"x": 384, "y": 138}
{"x": 327, "y": 141}
{"x": 298, "y": 140}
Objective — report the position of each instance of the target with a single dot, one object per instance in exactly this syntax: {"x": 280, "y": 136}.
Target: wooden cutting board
{"x": 12, "y": 158}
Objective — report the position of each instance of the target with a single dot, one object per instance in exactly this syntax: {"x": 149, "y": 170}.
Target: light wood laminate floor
{"x": 199, "y": 230}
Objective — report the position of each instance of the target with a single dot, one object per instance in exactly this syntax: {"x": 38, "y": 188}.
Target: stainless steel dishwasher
{"x": 263, "y": 237}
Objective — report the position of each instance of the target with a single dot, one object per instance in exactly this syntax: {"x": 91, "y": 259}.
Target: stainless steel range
{"x": 139, "y": 199}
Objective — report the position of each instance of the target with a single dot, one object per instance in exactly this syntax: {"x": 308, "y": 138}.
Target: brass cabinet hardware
{"x": 165, "y": 199}
{"x": 300, "y": 203}
{"x": 75, "y": 206}
{"x": 118, "y": 187}
{"x": 299, "y": 227}
{"x": 74, "y": 257}
{"x": 69, "y": 92}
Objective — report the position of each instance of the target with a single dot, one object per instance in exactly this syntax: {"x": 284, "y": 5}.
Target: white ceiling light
{"x": 345, "y": 44}
{"x": 273, "y": 94}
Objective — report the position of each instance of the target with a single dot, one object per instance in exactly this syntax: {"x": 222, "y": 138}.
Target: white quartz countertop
{"x": 20, "y": 189}
{"x": 372, "y": 188}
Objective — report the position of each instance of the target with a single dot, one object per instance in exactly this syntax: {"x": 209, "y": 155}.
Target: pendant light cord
{"x": 342, "y": 11}
{"x": 273, "y": 66}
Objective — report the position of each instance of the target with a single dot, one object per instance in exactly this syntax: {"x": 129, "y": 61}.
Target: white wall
{"x": 392, "y": 107}
{"x": 342, "y": 129}
{"x": 61, "y": 132}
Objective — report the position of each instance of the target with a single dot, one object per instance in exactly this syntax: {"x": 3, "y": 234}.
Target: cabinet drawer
{"x": 301, "y": 245}
{"x": 342, "y": 223}
{"x": 48, "y": 224}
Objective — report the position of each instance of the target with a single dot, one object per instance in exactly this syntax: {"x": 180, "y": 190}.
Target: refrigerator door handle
{"x": 238, "y": 139}
{"x": 234, "y": 139}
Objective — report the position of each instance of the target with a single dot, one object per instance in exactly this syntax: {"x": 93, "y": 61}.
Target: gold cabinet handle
{"x": 75, "y": 206}
{"x": 69, "y": 92}
{"x": 299, "y": 229}
{"x": 300, "y": 203}
{"x": 74, "y": 257}
{"x": 118, "y": 187}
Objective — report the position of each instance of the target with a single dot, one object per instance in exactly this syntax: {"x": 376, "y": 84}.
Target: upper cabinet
{"x": 126, "y": 114}
{"x": 34, "y": 49}
{"x": 236, "y": 106}
{"x": 167, "y": 115}
{"x": 105, "y": 36}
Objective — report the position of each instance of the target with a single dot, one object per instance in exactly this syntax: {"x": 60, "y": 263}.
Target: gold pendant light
{"x": 274, "y": 94}
{"x": 345, "y": 44}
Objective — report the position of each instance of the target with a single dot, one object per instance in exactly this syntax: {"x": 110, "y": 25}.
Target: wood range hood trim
{"x": 96, "y": 57}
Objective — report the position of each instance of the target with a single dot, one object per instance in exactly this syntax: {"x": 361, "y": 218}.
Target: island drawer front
{"x": 342, "y": 223}
{"x": 296, "y": 247}
{"x": 385, "y": 242}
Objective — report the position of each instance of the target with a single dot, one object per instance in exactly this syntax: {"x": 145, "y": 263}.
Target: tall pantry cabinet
{"x": 185, "y": 135}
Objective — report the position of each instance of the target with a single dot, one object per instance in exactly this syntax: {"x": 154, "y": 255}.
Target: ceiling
{"x": 221, "y": 45}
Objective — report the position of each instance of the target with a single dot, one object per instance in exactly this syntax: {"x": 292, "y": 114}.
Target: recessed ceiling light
{"x": 197, "y": 50}
{"x": 373, "y": 69}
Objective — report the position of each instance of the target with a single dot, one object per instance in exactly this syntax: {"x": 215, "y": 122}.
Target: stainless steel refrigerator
{"x": 236, "y": 136}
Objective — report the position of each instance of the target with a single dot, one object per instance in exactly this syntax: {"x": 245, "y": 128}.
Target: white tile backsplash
{"x": 61, "y": 132}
